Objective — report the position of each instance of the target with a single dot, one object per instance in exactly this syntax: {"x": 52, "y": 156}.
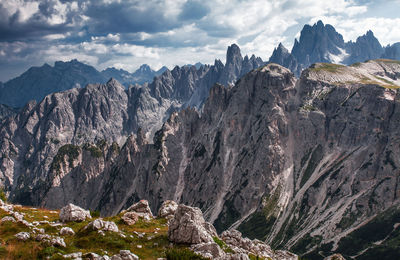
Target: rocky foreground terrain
{"x": 177, "y": 232}
{"x": 306, "y": 164}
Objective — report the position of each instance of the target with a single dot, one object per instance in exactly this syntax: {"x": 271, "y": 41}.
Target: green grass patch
{"x": 223, "y": 245}
{"x": 329, "y": 67}
{"x": 94, "y": 150}
{"x": 69, "y": 150}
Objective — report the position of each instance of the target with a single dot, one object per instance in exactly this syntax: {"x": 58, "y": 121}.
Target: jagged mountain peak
{"x": 317, "y": 43}
{"x": 145, "y": 68}
{"x": 233, "y": 54}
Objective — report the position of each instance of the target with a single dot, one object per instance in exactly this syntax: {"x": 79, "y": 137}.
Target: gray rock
{"x": 125, "y": 255}
{"x": 187, "y": 226}
{"x": 102, "y": 225}
{"x": 57, "y": 241}
{"x": 142, "y": 209}
{"x": 167, "y": 209}
{"x": 130, "y": 218}
{"x": 77, "y": 255}
{"x": 208, "y": 250}
{"x": 38, "y": 230}
{"x": 65, "y": 231}
{"x": 43, "y": 237}
{"x": 23, "y": 236}
{"x": 8, "y": 218}
{"x": 73, "y": 213}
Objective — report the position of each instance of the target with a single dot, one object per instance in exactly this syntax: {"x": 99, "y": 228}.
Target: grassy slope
{"x": 154, "y": 243}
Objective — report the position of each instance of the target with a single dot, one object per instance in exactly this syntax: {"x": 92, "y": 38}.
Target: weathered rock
{"x": 42, "y": 237}
{"x": 18, "y": 216}
{"x": 167, "y": 209}
{"x": 125, "y": 255}
{"x": 335, "y": 257}
{"x": 237, "y": 243}
{"x": 77, "y": 255}
{"x": 130, "y": 218}
{"x": 66, "y": 231}
{"x": 188, "y": 226}
{"x": 102, "y": 225}
{"x": 38, "y": 230}
{"x": 282, "y": 254}
{"x": 23, "y": 236}
{"x": 142, "y": 209}
{"x": 8, "y": 218}
{"x": 240, "y": 256}
{"x": 57, "y": 241}
{"x": 208, "y": 250}
{"x": 73, "y": 213}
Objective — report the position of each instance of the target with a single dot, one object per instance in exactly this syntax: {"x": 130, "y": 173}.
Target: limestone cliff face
{"x": 304, "y": 164}
{"x": 98, "y": 114}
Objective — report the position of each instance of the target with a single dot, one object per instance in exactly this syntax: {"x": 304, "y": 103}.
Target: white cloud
{"x": 25, "y": 8}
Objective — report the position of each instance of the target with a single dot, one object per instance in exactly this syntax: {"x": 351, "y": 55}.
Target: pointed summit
{"x": 366, "y": 47}
{"x": 233, "y": 55}
{"x": 282, "y": 57}
{"x": 318, "y": 43}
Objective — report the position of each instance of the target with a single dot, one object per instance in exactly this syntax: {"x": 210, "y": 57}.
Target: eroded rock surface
{"x": 72, "y": 212}
{"x": 187, "y": 226}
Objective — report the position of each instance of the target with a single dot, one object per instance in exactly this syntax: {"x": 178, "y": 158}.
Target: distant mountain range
{"x": 37, "y": 82}
{"x": 322, "y": 43}
{"x": 317, "y": 43}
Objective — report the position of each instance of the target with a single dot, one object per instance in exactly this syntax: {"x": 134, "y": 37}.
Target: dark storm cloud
{"x": 12, "y": 28}
{"x": 193, "y": 10}
{"x": 127, "y": 17}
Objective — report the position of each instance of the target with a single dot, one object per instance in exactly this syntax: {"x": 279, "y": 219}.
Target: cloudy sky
{"x": 125, "y": 34}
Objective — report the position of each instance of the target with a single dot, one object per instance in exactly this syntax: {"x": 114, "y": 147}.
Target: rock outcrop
{"x": 189, "y": 227}
{"x": 142, "y": 210}
{"x": 73, "y": 213}
{"x": 167, "y": 209}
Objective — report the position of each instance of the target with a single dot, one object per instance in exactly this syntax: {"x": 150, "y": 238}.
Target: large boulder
{"x": 142, "y": 209}
{"x": 167, "y": 209}
{"x": 130, "y": 218}
{"x": 73, "y": 213}
{"x": 188, "y": 226}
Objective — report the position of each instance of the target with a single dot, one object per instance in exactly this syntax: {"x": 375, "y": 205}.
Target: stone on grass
{"x": 58, "y": 241}
{"x": 125, "y": 255}
{"x": 65, "y": 231}
{"x": 8, "y": 218}
{"x": 73, "y": 213}
{"x": 142, "y": 209}
{"x": 23, "y": 236}
{"x": 102, "y": 225}
{"x": 130, "y": 218}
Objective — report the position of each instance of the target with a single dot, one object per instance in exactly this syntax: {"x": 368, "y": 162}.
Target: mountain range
{"x": 306, "y": 163}
{"x": 322, "y": 43}
{"x": 38, "y": 82}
